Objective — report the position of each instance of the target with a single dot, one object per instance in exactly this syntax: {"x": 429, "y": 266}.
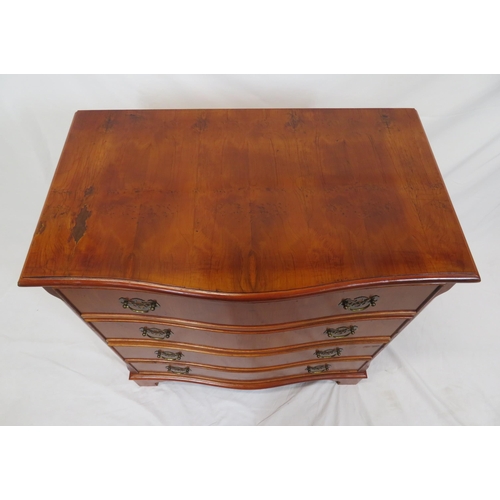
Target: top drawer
{"x": 232, "y": 312}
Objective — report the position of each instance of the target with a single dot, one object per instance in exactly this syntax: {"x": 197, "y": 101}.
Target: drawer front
{"x": 252, "y": 359}
{"x": 252, "y": 340}
{"x": 309, "y": 369}
{"x": 232, "y": 312}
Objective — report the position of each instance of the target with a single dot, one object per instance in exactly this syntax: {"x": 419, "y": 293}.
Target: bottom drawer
{"x": 195, "y": 370}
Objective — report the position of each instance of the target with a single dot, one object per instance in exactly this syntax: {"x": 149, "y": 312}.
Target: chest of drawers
{"x": 247, "y": 248}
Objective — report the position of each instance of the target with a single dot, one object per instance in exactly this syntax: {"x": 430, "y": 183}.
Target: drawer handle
{"x": 169, "y": 355}
{"x": 341, "y": 331}
{"x": 156, "y": 333}
{"x": 139, "y": 305}
{"x": 329, "y": 353}
{"x": 359, "y": 303}
{"x": 178, "y": 369}
{"x": 318, "y": 369}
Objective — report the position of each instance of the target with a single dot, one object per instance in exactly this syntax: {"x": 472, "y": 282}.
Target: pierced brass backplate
{"x": 169, "y": 355}
{"x": 156, "y": 333}
{"x": 341, "y": 332}
{"x": 139, "y": 305}
{"x": 318, "y": 369}
{"x": 359, "y": 303}
{"x": 329, "y": 353}
{"x": 178, "y": 369}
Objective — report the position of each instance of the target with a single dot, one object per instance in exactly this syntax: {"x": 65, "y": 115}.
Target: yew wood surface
{"x": 152, "y": 378}
{"x": 240, "y": 203}
{"x": 246, "y": 329}
{"x": 230, "y": 312}
{"x": 347, "y": 365}
{"x": 274, "y": 372}
{"x": 259, "y": 359}
{"x": 186, "y": 337}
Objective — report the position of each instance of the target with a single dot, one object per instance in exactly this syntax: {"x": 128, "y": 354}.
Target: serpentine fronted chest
{"x": 247, "y": 248}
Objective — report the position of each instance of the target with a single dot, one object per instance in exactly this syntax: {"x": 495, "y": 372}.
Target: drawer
{"x": 252, "y": 339}
{"x": 247, "y": 359}
{"x": 312, "y": 369}
{"x": 237, "y": 312}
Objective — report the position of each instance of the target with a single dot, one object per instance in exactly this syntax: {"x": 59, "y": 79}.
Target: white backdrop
{"x": 442, "y": 370}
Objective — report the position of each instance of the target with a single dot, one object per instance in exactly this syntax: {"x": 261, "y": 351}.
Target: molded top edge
{"x": 72, "y": 282}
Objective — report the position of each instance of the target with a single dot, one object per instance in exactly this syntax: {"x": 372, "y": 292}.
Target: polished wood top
{"x": 247, "y": 202}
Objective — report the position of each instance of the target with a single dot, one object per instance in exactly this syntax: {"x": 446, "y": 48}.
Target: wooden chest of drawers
{"x": 247, "y": 248}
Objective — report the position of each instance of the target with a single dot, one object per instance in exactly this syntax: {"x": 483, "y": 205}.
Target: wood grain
{"x": 247, "y": 201}
{"x": 248, "y": 228}
{"x": 186, "y": 337}
{"x": 351, "y": 364}
{"x": 151, "y": 379}
{"x": 246, "y": 313}
{"x": 128, "y": 320}
{"x": 250, "y": 359}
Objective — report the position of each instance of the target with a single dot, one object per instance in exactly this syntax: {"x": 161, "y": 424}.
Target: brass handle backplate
{"x": 178, "y": 369}
{"x": 139, "y": 305}
{"x": 359, "y": 303}
{"x": 156, "y": 333}
{"x": 318, "y": 369}
{"x": 341, "y": 331}
{"x": 169, "y": 355}
{"x": 329, "y": 353}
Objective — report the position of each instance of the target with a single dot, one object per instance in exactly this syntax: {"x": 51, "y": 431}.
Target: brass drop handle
{"x": 318, "y": 369}
{"x": 169, "y": 355}
{"x": 178, "y": 369}
{"x": 329, "y": 353}
{"x": 341, "y": 332}
{"x": 359, "y": 303}
{"x": 139, "y": 305}
{"x": 156, "y": 333}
